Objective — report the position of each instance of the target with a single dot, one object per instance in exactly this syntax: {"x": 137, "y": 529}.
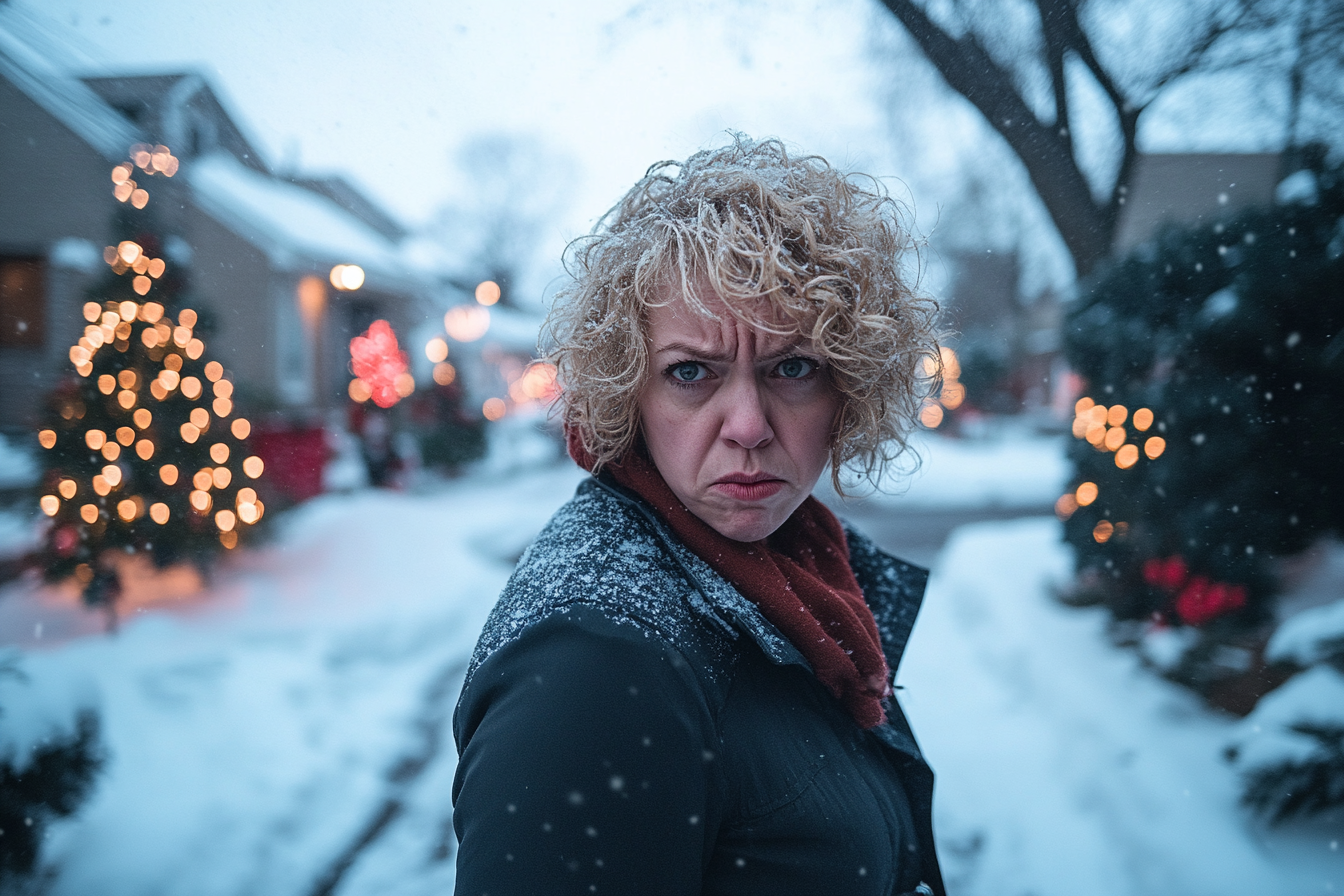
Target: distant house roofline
{"x": 1187, "y": 188}
{"x": 181, "y": 109}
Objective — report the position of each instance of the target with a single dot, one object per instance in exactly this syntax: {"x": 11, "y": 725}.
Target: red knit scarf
{"x": 799, "y": 577}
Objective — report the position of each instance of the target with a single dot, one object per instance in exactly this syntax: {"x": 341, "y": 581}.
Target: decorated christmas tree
{"x": 143, "y": 453}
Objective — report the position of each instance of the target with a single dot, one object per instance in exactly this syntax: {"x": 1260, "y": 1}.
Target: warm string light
{"x": 1104, "y": 429}
{"x": 951, "y": 395}
{"x": 152, "y": 160}
{"x": 347, "y": 277}
{"x": 467, "y": 323}
{"x": 536, "y": 383}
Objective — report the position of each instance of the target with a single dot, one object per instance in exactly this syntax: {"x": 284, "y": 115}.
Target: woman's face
{"x": 738, "y": 421}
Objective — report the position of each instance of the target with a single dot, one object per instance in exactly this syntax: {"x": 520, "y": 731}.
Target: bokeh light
{"x": 931, "y": 415}
{"x": 444, "y": 373}
{"x": 467, "y": 323}
{"x": 347, "y": 277}
{"x": 359, "y": 390}
{"x": 487, "y": 293}
{"x": 1085, "y": 494}
{"x": 436, "y": 349}
{"x": 493, "y": 409}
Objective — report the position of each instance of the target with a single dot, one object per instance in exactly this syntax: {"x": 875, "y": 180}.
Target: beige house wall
{"x": 52, "y": 191}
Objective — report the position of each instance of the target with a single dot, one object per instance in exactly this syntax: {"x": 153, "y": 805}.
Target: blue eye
{"x": 687, "y": 372}
{"x": 795, "y": 368}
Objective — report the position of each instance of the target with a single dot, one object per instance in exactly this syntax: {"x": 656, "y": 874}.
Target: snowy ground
{"x": 287, "y": 733}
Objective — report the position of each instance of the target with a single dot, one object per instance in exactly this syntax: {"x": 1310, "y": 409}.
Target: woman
{"x": 685, "y": 686}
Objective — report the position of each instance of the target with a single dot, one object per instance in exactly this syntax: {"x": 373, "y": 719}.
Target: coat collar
{"x": 892, "y": 588}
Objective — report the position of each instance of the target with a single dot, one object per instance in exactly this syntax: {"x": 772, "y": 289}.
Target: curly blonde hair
{"x": 829, "y": 250}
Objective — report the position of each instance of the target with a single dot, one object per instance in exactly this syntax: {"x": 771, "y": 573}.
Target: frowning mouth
{"x": 748, "y": 486}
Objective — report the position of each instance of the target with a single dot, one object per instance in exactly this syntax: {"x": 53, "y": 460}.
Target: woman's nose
{"x": 745, "y": 421}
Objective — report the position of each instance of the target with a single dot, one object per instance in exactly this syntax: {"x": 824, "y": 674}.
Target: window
{"x": 23, "y": 311}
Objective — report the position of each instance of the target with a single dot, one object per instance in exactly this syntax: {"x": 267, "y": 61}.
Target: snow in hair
{"x": 827, "y": 249}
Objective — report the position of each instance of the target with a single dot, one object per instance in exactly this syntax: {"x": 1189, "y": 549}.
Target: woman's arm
{"x": 587, "y": 765}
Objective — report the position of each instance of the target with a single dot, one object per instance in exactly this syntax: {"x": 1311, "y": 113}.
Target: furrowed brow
{"x": 707, "y": 353}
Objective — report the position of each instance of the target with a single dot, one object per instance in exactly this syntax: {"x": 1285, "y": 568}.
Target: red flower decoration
{"x": 376, "y": 359}
{"x": 1169, "y": 574}
{"x": 1203, "y": 600}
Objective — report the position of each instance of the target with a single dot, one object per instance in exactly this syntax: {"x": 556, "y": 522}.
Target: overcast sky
{"x": 386, "y": 92}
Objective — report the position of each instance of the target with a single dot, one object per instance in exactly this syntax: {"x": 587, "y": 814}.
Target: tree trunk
{"x": 1086, "y": 226}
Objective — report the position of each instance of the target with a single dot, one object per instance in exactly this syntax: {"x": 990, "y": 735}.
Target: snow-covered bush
{"x": 1208, "y": 435}
{"x": 49, "y": 755}
{"x": 1291, "y": 748}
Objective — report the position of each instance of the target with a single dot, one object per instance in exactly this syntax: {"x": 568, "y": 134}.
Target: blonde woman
{"x": 686, "y": 684}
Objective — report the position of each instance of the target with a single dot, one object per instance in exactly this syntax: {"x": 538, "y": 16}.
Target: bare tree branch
{"x": 1047, "y": 154}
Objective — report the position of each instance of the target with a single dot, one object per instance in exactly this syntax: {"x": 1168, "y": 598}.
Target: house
{"x": 257, "y": 246}
{"x": 1188, "y": 188}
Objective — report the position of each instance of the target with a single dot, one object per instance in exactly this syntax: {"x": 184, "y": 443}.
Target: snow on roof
{"x": 285, "y": 220}
{"x": 38, "y": 64}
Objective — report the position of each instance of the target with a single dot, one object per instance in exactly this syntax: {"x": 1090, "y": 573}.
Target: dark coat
{"x": 630, "y": 723}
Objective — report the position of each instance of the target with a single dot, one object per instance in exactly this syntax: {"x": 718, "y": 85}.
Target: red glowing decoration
{"x": 383, "y": 367}
{"x": 1169, "y": 574}
{"x": 1203, "y": 600}
{"x": 1198, "y": 599}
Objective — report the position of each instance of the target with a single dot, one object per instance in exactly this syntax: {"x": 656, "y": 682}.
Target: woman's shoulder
{"x": 893, "y": 589}
{"x": 598, "y": 553}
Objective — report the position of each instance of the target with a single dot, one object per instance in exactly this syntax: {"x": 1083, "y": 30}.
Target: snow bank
{"x": 1019, "y": 471}
{"x": 18, "y": 467}
{"x": 1264, "y": 738}
{"x": 36, "y": 709}
{"x": 1310, "y": 636}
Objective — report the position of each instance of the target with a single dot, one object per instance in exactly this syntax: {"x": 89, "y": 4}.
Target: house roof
{"x": 156, "y": 103}
{"x": 320, "y": 221}
{"x": 1186, "y": 188}
{"x": 36, "y": 62}
{"x": 290, "y": 223}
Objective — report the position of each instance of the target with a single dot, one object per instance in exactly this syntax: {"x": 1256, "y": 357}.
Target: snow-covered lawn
{"x": 289, "y": 734}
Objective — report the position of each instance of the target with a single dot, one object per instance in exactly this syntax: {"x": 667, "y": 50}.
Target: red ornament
{"x": 376, "y": 359}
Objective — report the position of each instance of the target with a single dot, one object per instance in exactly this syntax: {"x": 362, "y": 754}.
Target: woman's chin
{"x": 746, "y": 524}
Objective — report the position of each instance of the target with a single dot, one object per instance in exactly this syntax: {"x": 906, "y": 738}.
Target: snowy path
{"x": 290, "y": 737}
